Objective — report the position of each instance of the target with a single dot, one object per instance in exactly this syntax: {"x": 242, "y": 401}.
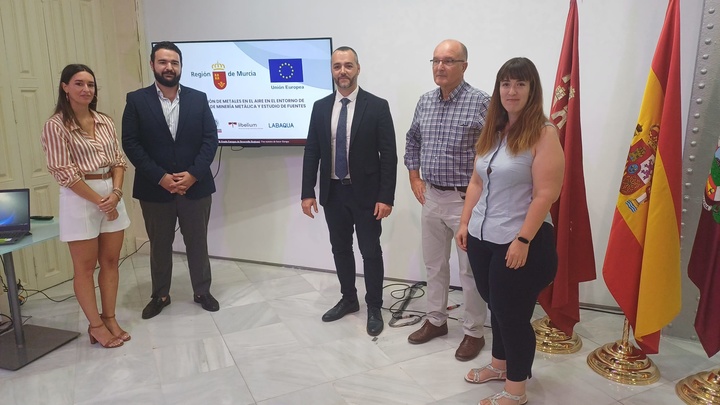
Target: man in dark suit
{"x": 169, "y": 135}
{"x": 352, "y": 138}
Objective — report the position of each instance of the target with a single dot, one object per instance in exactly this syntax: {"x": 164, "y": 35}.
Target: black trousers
{"x": 342, "y": 214}
{"x": 511, "y": 295}
{"x": 160, "y": 220}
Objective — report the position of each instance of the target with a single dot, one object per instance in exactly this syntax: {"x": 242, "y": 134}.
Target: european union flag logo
{"x": 285, "y": 70}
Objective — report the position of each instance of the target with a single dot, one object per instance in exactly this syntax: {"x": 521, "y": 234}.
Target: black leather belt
{"x": 462, "y": 189}
{"x": 344, "y": 182}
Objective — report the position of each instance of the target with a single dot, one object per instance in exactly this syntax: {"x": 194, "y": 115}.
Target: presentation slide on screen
{"x": 261, "y": 92}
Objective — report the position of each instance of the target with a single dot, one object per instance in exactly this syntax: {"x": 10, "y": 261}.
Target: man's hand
{"x": 308, "y": 205}
{"x": 168, "y": 184}
{"x": 418, "y": 188}
{"x": 183, "y": 181}
{"x": 382, "y": 210}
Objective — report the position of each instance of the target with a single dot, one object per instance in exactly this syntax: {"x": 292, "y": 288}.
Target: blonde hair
{"x": 524, "y": 133}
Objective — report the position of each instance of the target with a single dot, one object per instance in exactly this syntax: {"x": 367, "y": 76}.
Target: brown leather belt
{"x": 103, "y": 176}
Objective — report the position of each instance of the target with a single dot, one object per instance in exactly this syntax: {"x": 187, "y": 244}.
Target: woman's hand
{"x": 112, "y": 215}
{"x": 109, "y": 203}
{"x": 516, "y": 255}
{"x": 461, "y": 237}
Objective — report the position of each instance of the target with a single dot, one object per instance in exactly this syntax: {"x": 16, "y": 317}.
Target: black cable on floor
{"x": 401, "y": 316}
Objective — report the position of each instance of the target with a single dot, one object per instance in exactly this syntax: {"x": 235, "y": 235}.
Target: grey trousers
{"x": 160, "y": 221}
{"x": 440, "y": 220}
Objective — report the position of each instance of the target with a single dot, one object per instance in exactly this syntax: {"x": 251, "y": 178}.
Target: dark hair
{"x": 348, "y": 49}
{"x": 526, "y": 131}
{"x": 165, "y": 45}
{"x": 63, "y": 104}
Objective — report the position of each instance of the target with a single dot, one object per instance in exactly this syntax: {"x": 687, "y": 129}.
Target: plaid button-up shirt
{"x": 441, "y": 139}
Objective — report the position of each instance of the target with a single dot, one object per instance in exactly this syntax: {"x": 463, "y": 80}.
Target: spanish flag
{"x": 642, "y": 262}
{"x": 576, "y": 258}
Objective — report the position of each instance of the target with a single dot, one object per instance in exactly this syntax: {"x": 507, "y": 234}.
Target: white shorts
{"x": 81, "y": 220}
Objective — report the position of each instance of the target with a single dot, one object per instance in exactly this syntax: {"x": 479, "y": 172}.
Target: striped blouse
{"x": 70, "y": 152}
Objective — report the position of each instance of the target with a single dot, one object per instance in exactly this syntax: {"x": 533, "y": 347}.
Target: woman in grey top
{"x": 505, "y": 225}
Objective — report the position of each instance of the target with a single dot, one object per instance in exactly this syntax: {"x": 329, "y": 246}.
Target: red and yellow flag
{"x": 642, "y": 262}
{"x": 576, "y": 258}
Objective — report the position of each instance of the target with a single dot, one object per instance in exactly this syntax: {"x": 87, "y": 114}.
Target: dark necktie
{"x": 341, "y": 165}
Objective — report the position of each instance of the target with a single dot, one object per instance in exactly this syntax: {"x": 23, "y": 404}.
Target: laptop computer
{"x": 14, "y": 215}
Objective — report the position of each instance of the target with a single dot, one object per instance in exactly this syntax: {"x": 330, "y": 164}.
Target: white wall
{"x": 256, "y": 212}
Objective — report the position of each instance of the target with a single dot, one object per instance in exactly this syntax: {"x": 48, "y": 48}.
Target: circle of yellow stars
{"x": 280, "y": 70}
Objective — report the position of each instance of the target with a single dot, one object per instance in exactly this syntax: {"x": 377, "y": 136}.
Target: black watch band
{"x": 523, "y": 240}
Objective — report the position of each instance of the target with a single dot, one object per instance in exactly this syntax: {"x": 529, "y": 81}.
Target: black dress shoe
{"x": 155, "y": 306}
{"x": 208, "y": 302}
{"x": 341, "y": 309}
{"x": 375, "y": 322}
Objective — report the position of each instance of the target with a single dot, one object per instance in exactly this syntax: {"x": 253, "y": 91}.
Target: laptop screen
{"x": 15, "y": 210}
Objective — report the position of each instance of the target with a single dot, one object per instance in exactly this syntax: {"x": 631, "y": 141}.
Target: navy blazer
{"x": 149, "y": 145}
{"x": 372, "y": 156}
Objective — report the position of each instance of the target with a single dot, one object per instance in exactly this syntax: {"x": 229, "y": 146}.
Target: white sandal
{"x": 500, "y": 375}
{"x": 522, "y": 399}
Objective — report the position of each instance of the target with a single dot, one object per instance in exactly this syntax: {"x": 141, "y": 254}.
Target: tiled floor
{"x": 268, "y": 346}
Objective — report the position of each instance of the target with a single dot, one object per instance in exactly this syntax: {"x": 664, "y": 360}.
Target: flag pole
{"x": 622, "y": 362}
{"x": 549, "y": 339}
{"x": 700, "y": 389}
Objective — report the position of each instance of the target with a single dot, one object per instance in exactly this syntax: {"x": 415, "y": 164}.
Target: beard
{"x": 350, "y": 83}
{"x": 167, "y": 82}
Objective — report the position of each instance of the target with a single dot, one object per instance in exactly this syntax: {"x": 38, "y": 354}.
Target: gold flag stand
{"x": 550, "y": 339}
{"x": 700, "y": 389}
{"x": 624, "y": 363}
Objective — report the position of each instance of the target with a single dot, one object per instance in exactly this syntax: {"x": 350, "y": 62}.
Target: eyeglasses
{"x": 446, "y": 62}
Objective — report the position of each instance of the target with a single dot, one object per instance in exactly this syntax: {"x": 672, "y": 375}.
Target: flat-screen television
{"x": 261, "y": 92}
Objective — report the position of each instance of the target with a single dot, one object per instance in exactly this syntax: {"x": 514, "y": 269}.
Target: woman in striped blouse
{"x": 84, "y": 156}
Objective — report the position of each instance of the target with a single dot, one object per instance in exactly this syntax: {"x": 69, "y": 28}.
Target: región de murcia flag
{"x": 704, "y": 266}
{"x": 576, "y": 259}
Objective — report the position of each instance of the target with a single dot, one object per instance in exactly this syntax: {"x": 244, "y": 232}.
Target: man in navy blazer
{"x": 352, "y": 138}
{"x": 169, "y": 135}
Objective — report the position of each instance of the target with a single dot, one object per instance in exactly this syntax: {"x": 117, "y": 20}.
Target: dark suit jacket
{"x": 372, "y": 157}
{"x": 149, "y": 145}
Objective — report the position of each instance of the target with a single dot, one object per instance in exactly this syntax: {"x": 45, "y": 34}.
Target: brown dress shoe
{"x": 469, "y": 348}
{"x": 427, "y": 332}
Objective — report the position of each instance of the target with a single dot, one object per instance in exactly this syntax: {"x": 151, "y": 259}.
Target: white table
{"x": 30, "y": 342}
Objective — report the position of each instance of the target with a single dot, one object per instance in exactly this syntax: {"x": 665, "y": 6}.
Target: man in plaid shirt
{"x": 441, "y": 141}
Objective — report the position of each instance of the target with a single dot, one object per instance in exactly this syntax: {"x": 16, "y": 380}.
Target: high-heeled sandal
{"x": 522, "y": 399}
{"x": 499, "y": 375}
{"x": 124, "y": 336}
{"x": 110, "y": 344}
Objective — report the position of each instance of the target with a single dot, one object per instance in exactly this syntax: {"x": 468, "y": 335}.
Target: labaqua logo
{"x": 285, "y": 125}
{"x": 219, "y": 76}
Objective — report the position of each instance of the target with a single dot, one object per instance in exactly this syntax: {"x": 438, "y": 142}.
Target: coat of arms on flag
{"x": 639, "y": 167}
